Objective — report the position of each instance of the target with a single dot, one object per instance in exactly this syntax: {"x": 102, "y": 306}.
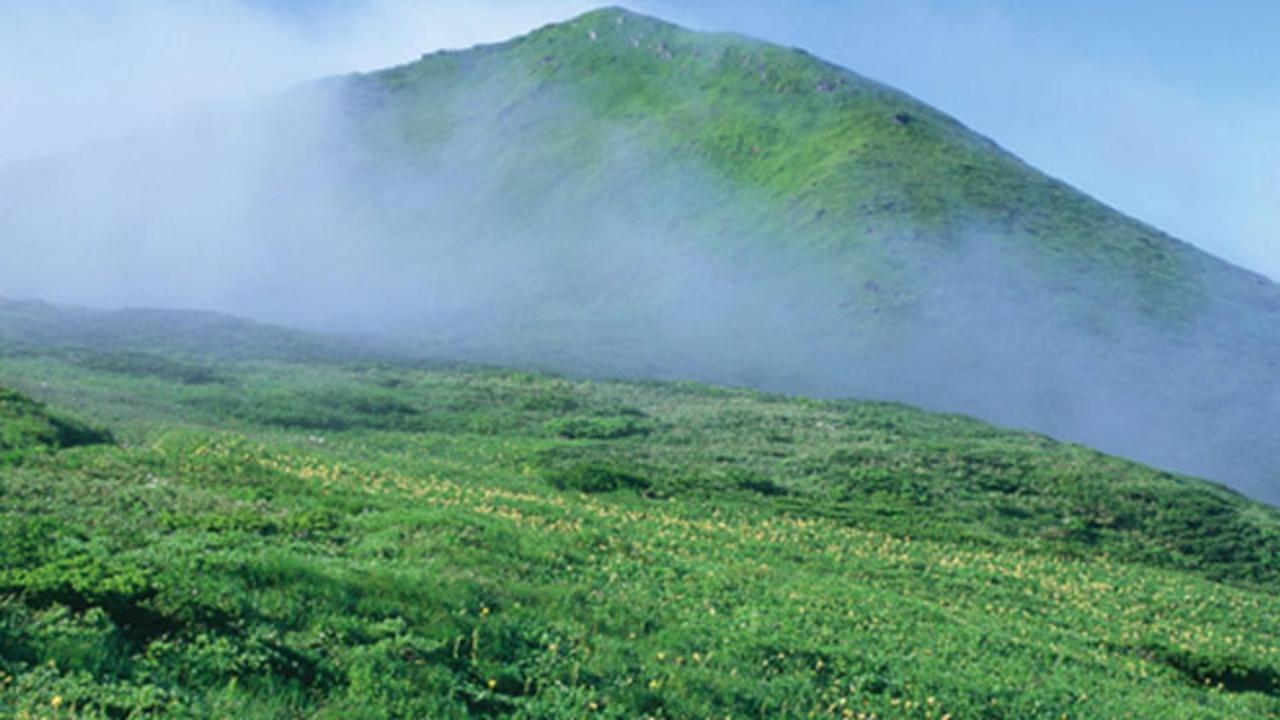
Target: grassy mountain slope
{"x": 709, "y": 206}
{"x": 374, "y": 538}
{"x": 831, "y": 160}
{"x": 858, "y": 160}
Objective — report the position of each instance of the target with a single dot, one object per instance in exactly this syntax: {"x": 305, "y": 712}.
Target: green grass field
{"x": 351, "y": 538}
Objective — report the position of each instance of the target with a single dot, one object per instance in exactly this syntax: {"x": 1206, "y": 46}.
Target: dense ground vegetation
{"x": 380, "y": 538}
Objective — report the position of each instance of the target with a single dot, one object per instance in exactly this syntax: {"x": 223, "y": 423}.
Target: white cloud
{"x": 73, "y": 72}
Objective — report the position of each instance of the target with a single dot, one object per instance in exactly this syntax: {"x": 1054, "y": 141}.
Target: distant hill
{"x": 27, "y": 325}
{"x": 618, "y": 196}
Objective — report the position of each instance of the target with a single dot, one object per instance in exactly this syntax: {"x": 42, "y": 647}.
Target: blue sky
{"x": 1167, "y": 110}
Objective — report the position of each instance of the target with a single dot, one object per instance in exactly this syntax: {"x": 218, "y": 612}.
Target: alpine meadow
{"x": 620, "y": 370}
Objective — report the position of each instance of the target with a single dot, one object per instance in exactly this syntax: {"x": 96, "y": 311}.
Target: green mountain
{"x": 618, "y": 196}
{"x": 725, "y": 209}
{"x": 287, "y": 534}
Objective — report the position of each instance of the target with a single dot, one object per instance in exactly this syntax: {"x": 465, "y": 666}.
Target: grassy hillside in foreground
{"x": 380, "y": 539}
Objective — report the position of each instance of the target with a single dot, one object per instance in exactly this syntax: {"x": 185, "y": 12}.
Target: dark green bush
{"x": 331, "y": 409}
{"x": 598, "y": 428}
{"x": 137, "y": 364}
{"x": 753, "y": 482}
{"x": 597, "y": 478}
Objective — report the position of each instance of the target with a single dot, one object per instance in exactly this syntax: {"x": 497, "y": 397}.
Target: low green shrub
{"x": 598, "y": 428}
{"x": 597, "y": 478}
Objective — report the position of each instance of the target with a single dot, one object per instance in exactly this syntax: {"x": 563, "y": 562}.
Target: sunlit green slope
{"x": 807, "y": 153}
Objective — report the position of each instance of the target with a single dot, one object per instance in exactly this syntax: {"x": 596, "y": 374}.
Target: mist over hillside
{"x": 616, "y": 196}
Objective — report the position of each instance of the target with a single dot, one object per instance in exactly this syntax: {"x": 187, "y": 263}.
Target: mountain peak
{"x": 612, "y": 23}
{"x": 610, "y": 12}
{"x": 616, "y": 15}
